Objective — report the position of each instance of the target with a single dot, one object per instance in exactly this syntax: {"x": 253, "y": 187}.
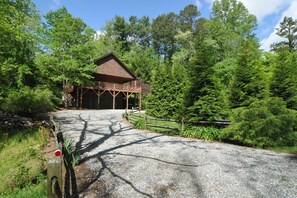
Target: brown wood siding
{"x": 113, "y": 68}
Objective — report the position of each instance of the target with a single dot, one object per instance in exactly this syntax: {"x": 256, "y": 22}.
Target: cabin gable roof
{"x": 110, "y": 65}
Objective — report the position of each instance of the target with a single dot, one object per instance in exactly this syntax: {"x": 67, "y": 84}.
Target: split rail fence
{"x": 130, "y": 114}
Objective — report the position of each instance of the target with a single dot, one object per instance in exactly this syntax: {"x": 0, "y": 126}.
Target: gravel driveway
{"x": 135, "y": 163}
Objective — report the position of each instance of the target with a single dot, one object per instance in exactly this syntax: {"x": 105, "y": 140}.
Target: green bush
{"x": 206, "y": 133}
{"x": 28, "y": 102}
{"x": 140, "y": 124}
{"x": 265, "y": 123}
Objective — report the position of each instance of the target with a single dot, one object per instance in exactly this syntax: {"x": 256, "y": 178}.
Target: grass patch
{"x": 292, "y": 150}
{"x": 206, "y": 133}
{"x": 22, "y": 162}
{"x": 140, "y": 124}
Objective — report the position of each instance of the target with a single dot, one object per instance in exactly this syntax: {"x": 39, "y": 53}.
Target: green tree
{"x": 248, "y": 83}
{"x": 204, "y": 99}
{"x": 139, "y": 31}
{"x": 284, "y": 79}
{"x": 19, "y": 21}
{"x": 287, "y": 29}
{"x": 188, "y": 17}
{"x": 69, "y": 50}
{"x": 164, "y": 28}
{"x": 18, "y": 43}
{"x": 141, "y": 61}
{"x": 120, "y": 30}
{"x": 230, "y": 23}
{"x": 264, "y": 123}
{"x": 167, "y": 89}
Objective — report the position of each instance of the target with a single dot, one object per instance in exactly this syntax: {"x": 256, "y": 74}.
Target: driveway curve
{"x": 137, "y": 163}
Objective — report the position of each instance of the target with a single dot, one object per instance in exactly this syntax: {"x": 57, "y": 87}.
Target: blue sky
{"x": 96, "y": 12}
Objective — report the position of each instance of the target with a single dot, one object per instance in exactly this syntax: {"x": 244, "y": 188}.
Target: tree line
{"x": 198, "y": 68}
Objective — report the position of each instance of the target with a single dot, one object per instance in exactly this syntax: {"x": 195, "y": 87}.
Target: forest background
{"x": 198, "y": 68}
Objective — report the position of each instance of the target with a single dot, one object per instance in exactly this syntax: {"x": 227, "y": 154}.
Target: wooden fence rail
{"x": 182, "y": 122}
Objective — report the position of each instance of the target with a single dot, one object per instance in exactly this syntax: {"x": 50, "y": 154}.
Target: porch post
{"x": 81, "y": 97}
{"x": 127, "y": 101}
{"x": 140, "y": 99}
{"x": 77, "y": 96}
{"x": 114, "y": 96}
{"x": 99, "y": 98}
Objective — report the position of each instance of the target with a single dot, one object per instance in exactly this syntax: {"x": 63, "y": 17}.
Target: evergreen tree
{"x": 287, "y": 29}
{"x": 164, "y": 28}
{"x": 119, "y": 29}
{"x": 204, "y": 100}
{"x": 166, "y": 98}
{"x": 284, "y": 80}
{"x": 141, "y": 61}
{"x": 188, "y": 17}
{"x": 248, "y": 83}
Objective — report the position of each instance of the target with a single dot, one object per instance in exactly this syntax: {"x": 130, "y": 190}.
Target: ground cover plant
{"x": 23, "y": 163}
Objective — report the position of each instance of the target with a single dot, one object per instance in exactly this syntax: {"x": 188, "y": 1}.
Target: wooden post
{"x": 54, "y": 178}
{"x": 114, "y": 96}
{"x": 140, "y": 99}
{"x": 127, "y": 100}
{"x": 183, "y": 125}
{"x": 99, "y": 98}
{"x": 77, "y": 95}
{"x": 145, "y": 120}
{"x": 81, "y": 97}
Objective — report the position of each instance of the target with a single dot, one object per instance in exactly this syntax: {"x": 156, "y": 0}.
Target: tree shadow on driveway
{"x": 115, "y": 128}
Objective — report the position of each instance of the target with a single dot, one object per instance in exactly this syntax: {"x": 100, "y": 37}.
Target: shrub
{"x": 265, "y": 123}
{"x": 28, "y": 102}
{"x": 206, "y": 133}
{"x": 140, "y": 124}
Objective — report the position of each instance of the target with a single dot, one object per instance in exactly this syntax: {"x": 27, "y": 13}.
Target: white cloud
{"x": 272, "y": 38}
{"x": 198, "y": 4}
{"x": 263, "y": 8}
{"x": 55, "y": 4}
{"x": 98, "y": 34}
{"x": 259, "y": 8}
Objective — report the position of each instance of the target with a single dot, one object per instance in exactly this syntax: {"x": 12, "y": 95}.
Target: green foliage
{"x": 164, "y": 28}
{"x": 74, "y": 154}
{"x": 230, "y": 23}
{"x": 188, "y": 17}
{"x": 141, "y": 62}
{"x": 265, "y": 123}
{"x": 204, "y": 99}
{"x": 140, "y": 124}
{"x": 284, "y": 81}
{"x": 19, "y": 21}
{"x": 248, "y": 83}
{"x": 288, "y": 30}
{"x": 68, "y": 55}
{"x": 20, "y": 171}
{"x": 206, "y": 133}
{"x": 28, "y": 102}
{"x": 167, "y": 92}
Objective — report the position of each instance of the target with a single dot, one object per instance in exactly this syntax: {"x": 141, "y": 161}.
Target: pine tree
{"x": 284, "y": 81}
{"x": 248, "y": 83}
{"x": 204, "y": 100}
{"x": 166, "y": 98}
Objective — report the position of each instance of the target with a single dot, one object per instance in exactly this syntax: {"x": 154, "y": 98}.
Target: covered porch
{"x": 108, "y": 95}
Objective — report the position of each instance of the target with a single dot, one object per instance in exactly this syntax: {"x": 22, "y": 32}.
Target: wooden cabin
{"x": 114, "y": 86}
